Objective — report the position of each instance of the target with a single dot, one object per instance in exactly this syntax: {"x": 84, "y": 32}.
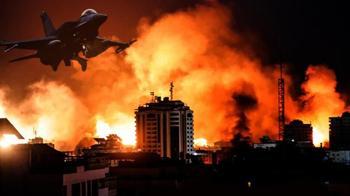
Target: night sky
{"x": 296, "y": 32}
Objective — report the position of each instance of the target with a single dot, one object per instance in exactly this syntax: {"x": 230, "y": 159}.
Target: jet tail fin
{"x": 24, "y": 58}
{"x": 82, "y": 62}
{"x": 49, "y": 29}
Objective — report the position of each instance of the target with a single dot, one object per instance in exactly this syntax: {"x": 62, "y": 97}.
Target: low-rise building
{"x": 31, "y": 169}
{"x": 339, "y": 156}
{"x": 83, "y": 181}
{"x": 299, "y": 133}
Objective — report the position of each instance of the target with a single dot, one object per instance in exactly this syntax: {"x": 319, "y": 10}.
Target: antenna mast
{"x": 152, "y": 97}
{"x": 281, "y": 120}
{"x": 35, "y": 132}
{"x": 171, "y": 90}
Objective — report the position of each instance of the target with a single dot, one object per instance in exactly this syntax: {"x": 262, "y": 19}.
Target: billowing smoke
{"x": 199, "y": 52}
{"x": 320, "y": 100}
{"x": 52, "y": 111}
{"x": 228, "y": 89}
{"x": 244, "y": 103}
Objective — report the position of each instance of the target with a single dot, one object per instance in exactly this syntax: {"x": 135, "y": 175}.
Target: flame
{"x": 126, "y": 131}
{"x": 318, "y": 137}
{"x": 200, "y": 142}
{"x": 9, "y": 139}
{"x": 321, "y": 101}
{"x": 198, "y": 50}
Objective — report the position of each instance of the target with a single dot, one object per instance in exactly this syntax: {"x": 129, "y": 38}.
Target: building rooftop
{"x": 7, "y": 128}
{"x": 163, "y": 104}
{"x": 346, "y": 115}
{"x": 297, "y": 123}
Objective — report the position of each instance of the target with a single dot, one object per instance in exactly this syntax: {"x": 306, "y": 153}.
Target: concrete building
{"x": 298, "y": 132}
{"x": 31, "y": 169}
{"x": 112, "y": 144}
{"x": 265, "y": 146}
{"x": 340, "y": 156}
{"x": 339, "y": 132}
{"x": 83, "y": 181}
{"x": 166, "y": 128}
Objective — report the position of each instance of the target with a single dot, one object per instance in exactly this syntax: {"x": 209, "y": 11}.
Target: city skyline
{"x": 174, "y": 97}
{"x": 103, "y": 99}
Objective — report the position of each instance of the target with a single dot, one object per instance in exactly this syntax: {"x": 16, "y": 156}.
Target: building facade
{"x": 31, "y": 169}
{"x": 339, "y": 132}
{"x": 165, "y": 127}
{"x": 85, "y": 182}
{"x": 298, "y": 132}
{"x": 340, "y": 156}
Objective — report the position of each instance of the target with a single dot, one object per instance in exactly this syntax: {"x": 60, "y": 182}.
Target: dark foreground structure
{"x": 339, "y": 134}
{"x": 31, "y": 169}
{"x": 286, "y": 169}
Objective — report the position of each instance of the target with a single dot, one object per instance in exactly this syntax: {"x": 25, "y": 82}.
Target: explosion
{"x": 320, "y": 101}
{"x": 125, "y": 131}
{"x": 9, "y": 139}
{"x": 228, "y": 89}
{"x": 200, "y": 142}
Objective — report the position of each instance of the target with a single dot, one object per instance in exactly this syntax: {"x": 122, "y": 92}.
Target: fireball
{"x": 200, "y": 142}
{"x": 9, "y": 139}
{"x": 126, "y": 131}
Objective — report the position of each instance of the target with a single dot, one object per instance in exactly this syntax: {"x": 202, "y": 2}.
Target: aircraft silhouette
{"x": 68, "y": 41}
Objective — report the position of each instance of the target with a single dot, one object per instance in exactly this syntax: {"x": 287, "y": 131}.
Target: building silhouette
{"x": 298, "y": 132}
{"x": 6, "y": 127}
{"x": 339, "y": 132}
{"x": 31, "y": 169}
{"x": 165, "y": 127}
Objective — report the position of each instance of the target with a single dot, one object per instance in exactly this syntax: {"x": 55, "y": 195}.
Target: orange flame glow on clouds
{"x": 196, "y": 49}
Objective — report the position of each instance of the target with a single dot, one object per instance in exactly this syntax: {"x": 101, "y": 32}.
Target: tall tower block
{"x": 281, "y": 120}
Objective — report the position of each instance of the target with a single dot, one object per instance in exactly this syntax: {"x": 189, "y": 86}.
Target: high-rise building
{"x": 339, "y": 132}
{"x": 165, "y": 127}
{"x": 298, "y": 132}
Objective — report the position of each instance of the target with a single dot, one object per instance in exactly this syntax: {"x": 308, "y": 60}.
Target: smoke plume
{"x": 229, "y": 90}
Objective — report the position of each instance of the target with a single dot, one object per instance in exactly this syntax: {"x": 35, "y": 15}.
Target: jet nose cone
{"x": 101, "y": 18}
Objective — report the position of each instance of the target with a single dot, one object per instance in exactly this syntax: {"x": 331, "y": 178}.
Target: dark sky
{"x": 298, "y": 32}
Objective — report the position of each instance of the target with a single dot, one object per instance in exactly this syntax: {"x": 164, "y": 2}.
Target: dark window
{"x": 89, "y": 188}
{"x": 164, "y": 134}
{"x": 151, "y": 115}
{"x": 94, "y": 188}
{"x": 64, "y": 190}
{"x": 76, "y": 189}
{"x": 83, "y": 189}
{"x": 174, "y": 142}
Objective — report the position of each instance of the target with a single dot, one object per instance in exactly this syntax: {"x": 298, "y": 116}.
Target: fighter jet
{"x": 68, "y": 42}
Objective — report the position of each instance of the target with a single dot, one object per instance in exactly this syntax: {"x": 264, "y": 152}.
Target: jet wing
{"x": 121, "y": 45}
{"x": 26, "y": 44}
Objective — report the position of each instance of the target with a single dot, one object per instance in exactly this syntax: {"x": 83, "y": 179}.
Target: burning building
{"x": 202, "y": 67}
{"x": 165, "y": 127}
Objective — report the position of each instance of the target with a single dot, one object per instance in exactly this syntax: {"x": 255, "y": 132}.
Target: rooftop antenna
{"x": 152, "y": 97}
{"x": 171, "y": 90}
{"x": 35, "y": 132}
{"x": 281, "y": 119}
